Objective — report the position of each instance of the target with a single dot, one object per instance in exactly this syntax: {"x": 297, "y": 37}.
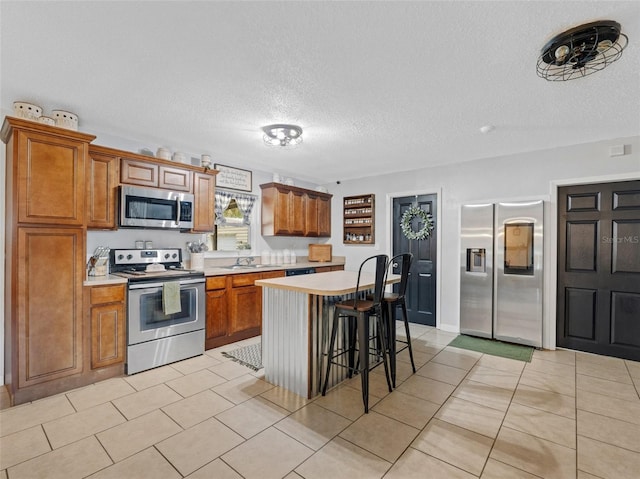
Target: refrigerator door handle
{"x": 425, "y": 275}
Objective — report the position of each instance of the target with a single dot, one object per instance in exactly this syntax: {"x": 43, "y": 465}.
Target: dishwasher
{"x": 295, "y": 272}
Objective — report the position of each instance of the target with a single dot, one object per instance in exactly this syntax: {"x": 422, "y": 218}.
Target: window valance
{"x": 244, "y": 201}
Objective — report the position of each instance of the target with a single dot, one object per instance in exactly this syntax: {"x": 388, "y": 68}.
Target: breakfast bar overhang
{"x": 296, "y": 315}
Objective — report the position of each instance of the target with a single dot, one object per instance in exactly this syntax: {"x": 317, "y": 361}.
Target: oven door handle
{"x": 159, "y": 285}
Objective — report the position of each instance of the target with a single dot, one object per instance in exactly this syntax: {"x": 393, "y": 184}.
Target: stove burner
{"x": 138, "y": 265}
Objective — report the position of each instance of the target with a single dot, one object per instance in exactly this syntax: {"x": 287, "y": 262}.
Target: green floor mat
{"x": 493, "y": 347}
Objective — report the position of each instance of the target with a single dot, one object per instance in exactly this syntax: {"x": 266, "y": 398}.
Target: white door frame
{"x": 389, "y": 217}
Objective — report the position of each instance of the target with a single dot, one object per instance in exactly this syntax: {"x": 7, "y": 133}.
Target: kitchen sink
{"x": 244, "y": 266}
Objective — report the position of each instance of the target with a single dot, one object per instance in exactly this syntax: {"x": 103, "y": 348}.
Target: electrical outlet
{"x": 617, "y": 150}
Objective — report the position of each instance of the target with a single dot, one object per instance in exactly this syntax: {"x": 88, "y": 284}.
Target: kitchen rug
{"x": 249, "y": 356}
{"x": 493, "y": 347}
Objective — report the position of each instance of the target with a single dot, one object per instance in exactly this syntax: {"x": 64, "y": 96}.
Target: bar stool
{"x": 390, "y": 302}
{"x": 356, "y": 312}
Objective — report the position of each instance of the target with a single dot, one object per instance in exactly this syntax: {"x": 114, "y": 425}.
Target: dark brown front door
{"x": 599, "y": 268}
{"x": 421, "y": 288}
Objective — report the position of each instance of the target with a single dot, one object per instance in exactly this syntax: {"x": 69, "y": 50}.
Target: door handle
{"x": 395, "y": 265}
{"x": 425, "y": 275}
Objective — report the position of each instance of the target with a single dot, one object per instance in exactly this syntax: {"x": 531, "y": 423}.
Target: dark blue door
{"x": 421, "y": 289}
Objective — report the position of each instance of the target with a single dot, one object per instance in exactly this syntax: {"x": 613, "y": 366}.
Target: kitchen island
{"x": 296, "y": 315}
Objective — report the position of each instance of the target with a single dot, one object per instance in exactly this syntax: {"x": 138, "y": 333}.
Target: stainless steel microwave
{"x": 155, "y": 208}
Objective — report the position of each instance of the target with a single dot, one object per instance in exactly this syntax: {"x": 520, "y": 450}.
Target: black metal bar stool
{"x": 390, "y": 303}
{"x": 356, "y": 312}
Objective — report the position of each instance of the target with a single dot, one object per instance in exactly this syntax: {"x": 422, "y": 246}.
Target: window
{"x": 233, "y": 222}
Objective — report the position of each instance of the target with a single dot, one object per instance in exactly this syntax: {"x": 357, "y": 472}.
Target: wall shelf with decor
{"x": 359, "y": 219}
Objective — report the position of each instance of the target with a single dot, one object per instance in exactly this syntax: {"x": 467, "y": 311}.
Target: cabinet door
{"x": 246, "y": 309}
{"x": 297, "y": 213}
{"x": 175, "y": 179}
{"x": 102, "y": 187}
{"x": 204, "y": 189}
{"x": 134, "y": 172}
{"x": 48, "y": 298}
{"x": 324, "y": 216}
{"x": 51, "y": 179}
{"x": 217, "y": 317}
{"x": 276, "y": 210}
{"x": 282, "y": 212}
{"x": 311, "y": 215}
{"x": 108, "y": 334}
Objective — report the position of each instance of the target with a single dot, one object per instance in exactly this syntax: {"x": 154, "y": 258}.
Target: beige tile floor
{"x": 462, "y": 415}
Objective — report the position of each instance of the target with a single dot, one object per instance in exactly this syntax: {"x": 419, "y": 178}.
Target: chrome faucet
{"x": 247, "y": 261}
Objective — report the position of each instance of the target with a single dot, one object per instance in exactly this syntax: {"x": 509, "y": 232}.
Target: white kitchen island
{"x": 297, "y": 312}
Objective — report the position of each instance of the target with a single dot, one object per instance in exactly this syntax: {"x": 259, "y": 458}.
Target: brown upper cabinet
{"x": 150, "y": 173}
{"x": 293, "y": 211}
{"x": 141, "y": 173}
{"x": 108, "y": 168}
{"x": 317, "y": 214}
{"x": 102, "y": 186}
{"x": 48, "y": 184}
{"x": 204, "y": 191}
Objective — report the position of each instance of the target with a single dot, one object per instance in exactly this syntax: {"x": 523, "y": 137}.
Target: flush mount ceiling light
{"x": 581, "y": 51}
{"x": 282, "y": 135}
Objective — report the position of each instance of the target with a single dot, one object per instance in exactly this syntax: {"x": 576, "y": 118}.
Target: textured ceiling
{"x": 376, "y": 86}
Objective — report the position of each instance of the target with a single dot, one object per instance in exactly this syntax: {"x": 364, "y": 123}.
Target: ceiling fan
{"x": 581, "y": 51}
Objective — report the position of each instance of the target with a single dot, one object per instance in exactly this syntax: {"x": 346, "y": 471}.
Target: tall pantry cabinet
{"x": 45, "y": 258}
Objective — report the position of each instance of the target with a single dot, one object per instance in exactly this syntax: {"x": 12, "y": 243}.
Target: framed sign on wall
{"x": 233, "y": 178}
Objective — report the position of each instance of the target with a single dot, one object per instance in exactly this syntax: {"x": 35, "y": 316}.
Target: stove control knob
{"x": 174, "y": 255}
{"x": 120, "y": 256}
{"x": 129, "y": 256}
{"x": 166, "y": 256}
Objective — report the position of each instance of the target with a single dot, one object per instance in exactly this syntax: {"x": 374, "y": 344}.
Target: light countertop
{"x": 220, "y": 270}
{"x": 104, "y": 280}
{"x": 332, "y": 283}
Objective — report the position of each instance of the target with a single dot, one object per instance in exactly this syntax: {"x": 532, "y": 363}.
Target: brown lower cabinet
{"x": 326, "y": 269}
{"x": 108, "y": 325}
{"x": 234, "y": 307}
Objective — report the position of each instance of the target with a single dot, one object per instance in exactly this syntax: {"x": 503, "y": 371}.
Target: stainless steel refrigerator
{"x": 501, "y": 271}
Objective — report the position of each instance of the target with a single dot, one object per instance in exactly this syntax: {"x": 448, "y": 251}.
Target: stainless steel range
{"x": 166, "y": 307}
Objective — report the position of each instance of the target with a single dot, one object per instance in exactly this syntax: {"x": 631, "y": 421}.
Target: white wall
{"x": 514, "y": 177}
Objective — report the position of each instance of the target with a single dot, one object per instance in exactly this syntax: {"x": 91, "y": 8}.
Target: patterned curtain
{"x": 245, "y": 204}
{"x": 223, "y": 199}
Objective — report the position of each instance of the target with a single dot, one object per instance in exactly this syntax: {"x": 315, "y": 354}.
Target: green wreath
{"x": 425, "y": 218}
